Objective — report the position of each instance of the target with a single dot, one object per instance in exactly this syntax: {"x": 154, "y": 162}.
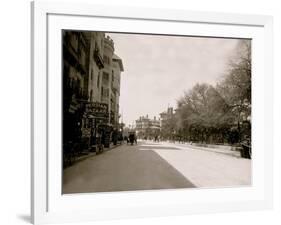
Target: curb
{"x": 224, "y": 152}
{"x": 91, "y": 154}
{"x": 234, "y": 153}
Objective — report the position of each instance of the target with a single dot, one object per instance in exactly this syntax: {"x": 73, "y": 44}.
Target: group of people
{"x": 132, "y": 138}
{"x": 156, "y": 138}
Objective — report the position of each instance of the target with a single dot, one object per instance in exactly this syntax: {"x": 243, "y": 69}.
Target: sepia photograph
{"x": 155, "y": 111}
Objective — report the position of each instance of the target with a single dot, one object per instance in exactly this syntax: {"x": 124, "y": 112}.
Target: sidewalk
{"x": 225, "y": 151}
{"x": 87, "y": 154}
{"x": 234, "y": 153}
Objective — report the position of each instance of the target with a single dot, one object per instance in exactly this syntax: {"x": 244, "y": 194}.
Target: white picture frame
{"x": 48, "y": 205}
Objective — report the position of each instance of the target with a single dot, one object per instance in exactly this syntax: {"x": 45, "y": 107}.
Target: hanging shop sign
{"x": 97, "y": 110}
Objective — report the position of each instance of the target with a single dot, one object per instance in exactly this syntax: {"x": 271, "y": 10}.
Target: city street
{"x": 151, "y": 165}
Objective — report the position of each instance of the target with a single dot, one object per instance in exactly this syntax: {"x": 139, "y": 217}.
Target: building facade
{"x": 75, "y": 50}
{"x": 96, "y": 65}
{"x": 117, "y": 67}
{"x": 167, "y": 124}
{"x": 91, "y": 80}
{"x": 147, "y": 128}
{"x": 165, "y": 116}
{"x": 107, "y": 73}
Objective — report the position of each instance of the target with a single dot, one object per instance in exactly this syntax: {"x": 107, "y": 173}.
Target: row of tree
{"x": 220, "y": 113}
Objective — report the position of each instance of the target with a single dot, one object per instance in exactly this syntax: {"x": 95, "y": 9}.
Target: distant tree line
{"x": 220, "y": 113}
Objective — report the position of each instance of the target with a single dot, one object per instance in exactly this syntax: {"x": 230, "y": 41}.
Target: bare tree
{"x": 207, "y": 114}
{"x": 236, "y": 85}
{"x": 203, "y": 114}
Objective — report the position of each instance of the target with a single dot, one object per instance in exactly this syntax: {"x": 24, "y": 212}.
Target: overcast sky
{"x": 158, "y": 69}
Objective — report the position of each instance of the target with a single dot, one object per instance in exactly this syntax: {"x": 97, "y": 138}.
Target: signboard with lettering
{"x": 97, "y": 110}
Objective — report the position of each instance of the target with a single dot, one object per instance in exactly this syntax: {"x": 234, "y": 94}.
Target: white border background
{"x": 15, "y": 93}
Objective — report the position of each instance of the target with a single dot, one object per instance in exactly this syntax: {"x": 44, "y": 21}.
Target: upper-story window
{"x": 92, "y": 74}
{"x": 105, "y": 78}
{"x": 83, "y": 57}
{"x": 106, "y": 59}
{"x": 112, "y": 76}
{"x": 94, "y": 45}
{"x": 96, "y": 49}
{"x": 104, "y": 92}
{"x": 98, "y": 81}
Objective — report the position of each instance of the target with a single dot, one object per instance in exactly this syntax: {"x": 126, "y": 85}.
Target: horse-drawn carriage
{"x": 132, "y": 138}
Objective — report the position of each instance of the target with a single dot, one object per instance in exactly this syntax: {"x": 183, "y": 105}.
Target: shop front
{"x": 96, "y": 128}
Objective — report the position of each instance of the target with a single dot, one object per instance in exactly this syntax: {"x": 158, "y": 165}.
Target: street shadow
{"x": 25, "y": 218}
{"x": 124, "y": 170}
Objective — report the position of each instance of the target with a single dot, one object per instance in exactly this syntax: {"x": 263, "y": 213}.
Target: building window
{"x": 98, "y": 81}
{"x": 83, "y": 57}
{"x": 92, "y": 74}
{"x": 104, "y": 92}
{"x": 94, "y": 43}
{"x": 95, "y": 49}
{"x": 106, "y": 59}
{"x": 91, "y": 95}
{"x": 105, "y": 78}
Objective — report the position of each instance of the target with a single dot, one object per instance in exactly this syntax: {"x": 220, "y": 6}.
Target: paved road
{"x": 155, "y": 166}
